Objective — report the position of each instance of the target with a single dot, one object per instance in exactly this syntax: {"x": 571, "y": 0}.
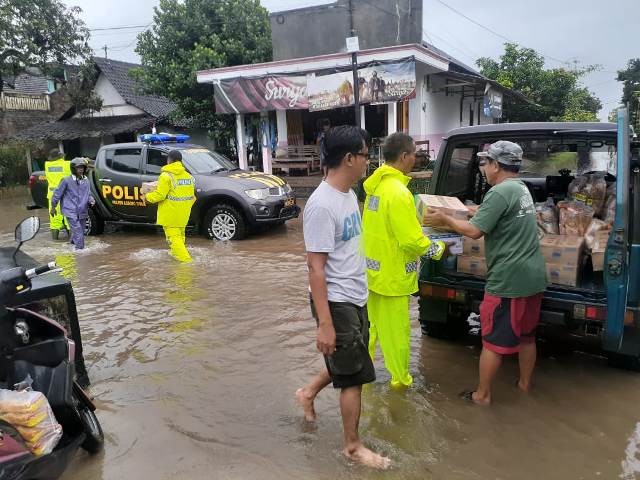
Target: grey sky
{"x": 586, "y": 31}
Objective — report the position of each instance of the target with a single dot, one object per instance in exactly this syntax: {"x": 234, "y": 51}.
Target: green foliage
{"x": 193, "y": 35}
{"x": 80, "y": 88}
{"x": 13, "y": 165}
{"x": 631, "y": 90}
{"x": 40, "y": 33}
{"x": 555, "y": 92}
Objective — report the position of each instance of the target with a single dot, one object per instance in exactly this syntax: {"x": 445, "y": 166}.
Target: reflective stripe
{"x": 55, "y": 169}
{"x": 180, "y": 199}
{"x": 373, "y": 264}
{"x": 411, "y": 267}
{"x": 373, "y": 204}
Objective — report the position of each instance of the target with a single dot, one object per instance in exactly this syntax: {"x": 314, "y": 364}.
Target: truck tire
{"x": 224, "y": 222}
{"x": 94, "y": 440}
{"x": 624, "y": 362}
{"x": 94, "y": 224}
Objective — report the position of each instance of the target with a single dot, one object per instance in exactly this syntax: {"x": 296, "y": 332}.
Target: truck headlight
{"x": 258, "y": 193}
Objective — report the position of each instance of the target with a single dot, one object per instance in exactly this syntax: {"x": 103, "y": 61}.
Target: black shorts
{"x": 350, "y": 365}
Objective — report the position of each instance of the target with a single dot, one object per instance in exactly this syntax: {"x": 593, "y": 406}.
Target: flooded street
{"x": 194, "y": 368}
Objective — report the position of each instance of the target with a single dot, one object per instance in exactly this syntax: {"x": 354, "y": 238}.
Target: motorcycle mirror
{"x": 27, "y": 229}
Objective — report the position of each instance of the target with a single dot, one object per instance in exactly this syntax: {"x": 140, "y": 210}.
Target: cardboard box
{"x": 473, "y": 247}
{"x": 563, "y": 274}
{"x": 454, "y": 239}
{"x": 562, "y": 249}
{"x": 450, "y": 205}
{"x": 598, "y": 250}
{"x": 149, "y": 187}
{"x": 471, "y": 265}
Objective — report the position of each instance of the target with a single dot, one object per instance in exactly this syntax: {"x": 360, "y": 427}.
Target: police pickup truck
{"x": 230, "y": 202}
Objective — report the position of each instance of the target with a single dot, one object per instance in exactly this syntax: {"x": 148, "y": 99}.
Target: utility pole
{"x": 354, "y": 68}
{"x": 105, "y": 51}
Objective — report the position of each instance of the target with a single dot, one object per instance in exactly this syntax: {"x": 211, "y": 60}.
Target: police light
{"x": 163, "y": 138}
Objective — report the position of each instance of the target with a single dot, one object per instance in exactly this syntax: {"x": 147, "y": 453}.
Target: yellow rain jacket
{"x": 55, "y": 171}
{"x": 393, "y": 237}
{"x": 175, "y": 195}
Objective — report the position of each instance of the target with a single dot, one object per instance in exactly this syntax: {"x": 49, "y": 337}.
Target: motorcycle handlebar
{"x": 34, "y": 272}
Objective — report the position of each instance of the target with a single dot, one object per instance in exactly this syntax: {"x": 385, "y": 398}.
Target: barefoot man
{"x": 338, "y": 281}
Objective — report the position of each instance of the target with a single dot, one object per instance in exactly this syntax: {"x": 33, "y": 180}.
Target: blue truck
{"x": 604, "y": 306}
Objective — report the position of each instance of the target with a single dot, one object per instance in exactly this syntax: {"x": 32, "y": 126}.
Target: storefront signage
{"x": 492, "y": 103}
{"x": 251, "y": 95}
{"x": 383, "y": 83}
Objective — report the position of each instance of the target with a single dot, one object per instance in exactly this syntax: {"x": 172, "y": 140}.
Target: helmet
{"x": 79, "y": 162}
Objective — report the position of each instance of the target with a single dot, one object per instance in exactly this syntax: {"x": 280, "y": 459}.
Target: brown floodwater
{"x": 194, "y": 368}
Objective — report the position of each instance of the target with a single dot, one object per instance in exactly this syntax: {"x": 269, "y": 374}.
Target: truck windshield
{"x": 201, "y": 160}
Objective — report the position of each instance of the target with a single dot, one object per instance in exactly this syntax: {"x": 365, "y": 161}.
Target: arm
{"x": 161, "y": 192}
{"x": 460, "y": 226}
{"x": 59, "y": 193}
{"x": 326, "y": 337}
{"x": 408, "y": 232}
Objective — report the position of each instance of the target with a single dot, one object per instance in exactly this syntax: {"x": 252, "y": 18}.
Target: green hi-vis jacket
{"x": 393, "y": 237}
{"x": 175, "y": 195}
{"x": 55, "y": 171}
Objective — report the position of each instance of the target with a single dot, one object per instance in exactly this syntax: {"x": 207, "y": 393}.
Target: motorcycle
{"x": 35, "y": 347}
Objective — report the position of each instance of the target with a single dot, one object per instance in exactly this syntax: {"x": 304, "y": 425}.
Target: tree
{"x": 40, "y": 33}
{"x": 556, "y": 93}
{"x": 80, "y": 87}
{"x": 631, "y": 90}
{"x": 193, "y": 35}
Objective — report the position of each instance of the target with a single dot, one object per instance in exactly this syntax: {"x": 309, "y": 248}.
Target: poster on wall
{"x": 387, "y": 83}
{"x": 492, "y": 104}
{"x": 253, "y": 95}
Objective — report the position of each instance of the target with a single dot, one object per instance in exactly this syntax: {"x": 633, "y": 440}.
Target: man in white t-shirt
{"x": 338, "y": 283}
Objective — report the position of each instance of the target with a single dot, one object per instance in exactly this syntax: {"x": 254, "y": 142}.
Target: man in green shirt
{"x": 516, "y": 278}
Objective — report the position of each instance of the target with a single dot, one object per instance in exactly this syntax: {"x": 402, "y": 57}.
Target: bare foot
{"x": 366, "y": 457}
{"x": 523, "y": 387}
{"x": 475, "y": 398}
{"x": 306, "y": 401}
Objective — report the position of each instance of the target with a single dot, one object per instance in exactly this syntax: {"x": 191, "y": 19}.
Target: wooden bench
{"x": 303, "y": 157}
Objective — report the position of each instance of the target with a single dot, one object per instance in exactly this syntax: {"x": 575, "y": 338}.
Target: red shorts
{"x": 505, "y": 323}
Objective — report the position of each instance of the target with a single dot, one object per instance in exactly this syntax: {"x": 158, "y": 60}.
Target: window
{"x": 460, "y": 166}
{"x": 156, "y": 159}
{"x": 125, "y": 160}
{"x": 201, "y": 160}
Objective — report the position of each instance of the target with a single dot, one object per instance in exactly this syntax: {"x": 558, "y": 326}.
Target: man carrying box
{"x": 516, "y": 276}
{"x": 393, "y": 242}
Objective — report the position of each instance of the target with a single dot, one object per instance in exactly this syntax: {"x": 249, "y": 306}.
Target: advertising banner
{"x": 252, "y": 95}
{"x": 386, "y": 83}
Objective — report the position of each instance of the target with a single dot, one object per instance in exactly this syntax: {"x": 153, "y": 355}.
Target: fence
{"x": 14, "y": 101}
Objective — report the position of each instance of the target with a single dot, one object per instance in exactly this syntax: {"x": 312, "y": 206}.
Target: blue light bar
{"x": 163, "y": 138}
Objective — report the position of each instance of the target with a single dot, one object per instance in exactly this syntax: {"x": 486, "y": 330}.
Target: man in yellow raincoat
{"x": 175, "y": 195}
{"x": 55, "y": 169}
{"x": 393, "y": 241}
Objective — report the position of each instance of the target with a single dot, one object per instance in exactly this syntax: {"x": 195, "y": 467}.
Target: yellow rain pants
{"x": 55, "y": 171}
{"x": 389, "y": 325}
{"x": 176, "y": 240}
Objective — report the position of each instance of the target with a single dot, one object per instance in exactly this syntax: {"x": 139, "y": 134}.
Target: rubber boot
{"x": 55, "y": 234}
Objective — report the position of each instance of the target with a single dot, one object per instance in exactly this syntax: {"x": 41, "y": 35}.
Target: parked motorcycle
{"x": 35, "y": 347}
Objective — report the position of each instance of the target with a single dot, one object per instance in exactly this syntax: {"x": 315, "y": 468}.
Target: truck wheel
{"x": 94, "y": 224}
{"x": 224, "y": 222}
{"x": 624, "y": 362}
{"x": 93, "y": 430}
{"x": 455, "y": 328}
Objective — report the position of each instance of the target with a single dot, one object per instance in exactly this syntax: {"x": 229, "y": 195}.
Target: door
{"x": 616, "y": 268}
{"x": 119, "y": 182}
{"x": 155, "y": 159}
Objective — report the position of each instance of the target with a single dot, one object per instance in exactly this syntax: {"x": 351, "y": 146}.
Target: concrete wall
{"x": 323, "y": 29}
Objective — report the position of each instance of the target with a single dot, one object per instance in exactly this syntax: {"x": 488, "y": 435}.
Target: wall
{"x": 323, "y": 29}
{"x": 112, "y": 102}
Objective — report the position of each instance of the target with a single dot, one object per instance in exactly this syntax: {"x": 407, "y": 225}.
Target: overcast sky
{"x": 583, "y": 31}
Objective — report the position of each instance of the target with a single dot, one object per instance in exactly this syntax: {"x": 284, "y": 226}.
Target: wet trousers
{"x": 176, "y": 240}
{"x": 58, "y": 221}
{"x": 77, "y": 231}
{"x": 389, "y": 325}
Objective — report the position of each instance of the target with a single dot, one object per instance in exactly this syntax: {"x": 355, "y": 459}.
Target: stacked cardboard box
{"x": 449, "y": 205}
{"x": 562, "y": 255}
{"x": 453, "y": 239}
{"x": 472, "y": 261}
{"x": 599, "y": 247}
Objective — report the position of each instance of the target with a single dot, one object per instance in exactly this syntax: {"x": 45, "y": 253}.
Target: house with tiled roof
{"x": 126, "y": 112}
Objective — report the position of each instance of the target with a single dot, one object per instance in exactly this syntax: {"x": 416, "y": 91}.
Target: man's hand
{"x": 53, "y": 212}
{"x": 142, "y": 197}
{"x": 92, "y": 202}
{"x": 436, "y": 218}
{"x": 473, "y": 209}
{"x": 326, "y": 339}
